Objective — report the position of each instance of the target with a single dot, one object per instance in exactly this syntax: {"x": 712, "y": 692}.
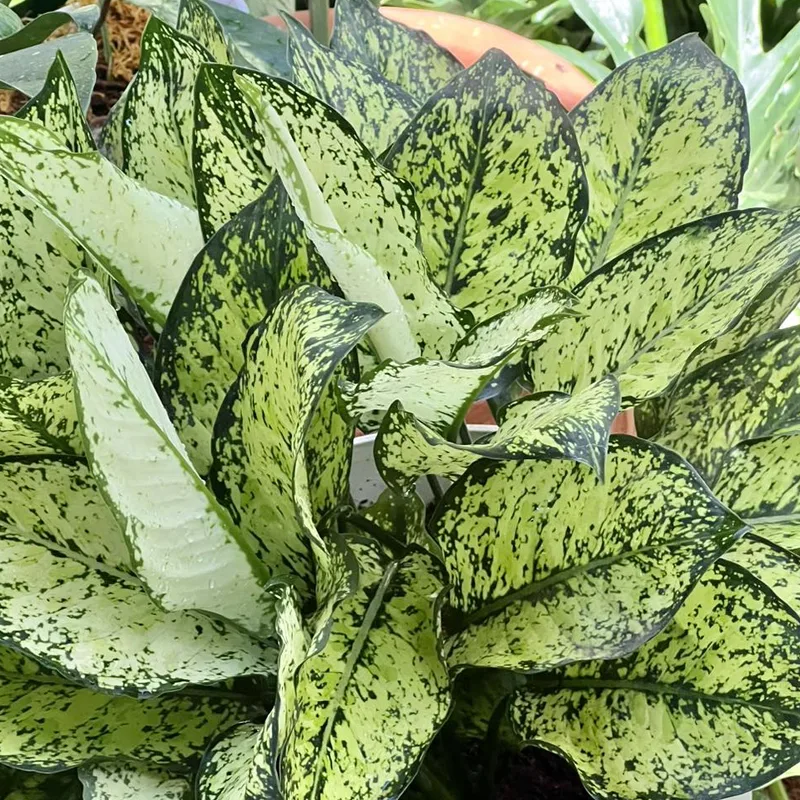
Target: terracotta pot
{"x": 468, "y": 39}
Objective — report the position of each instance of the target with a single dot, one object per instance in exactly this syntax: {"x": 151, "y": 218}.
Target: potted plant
{"x": 190, "y": 602}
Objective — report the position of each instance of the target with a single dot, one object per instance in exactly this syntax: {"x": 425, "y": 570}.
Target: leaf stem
{"x": 436, "y": 488}
{"x": 655, "y": 26}
{"x": 777, "y": 791}
{"x": 383, "y": 536}
{"x": 319, "y": 20}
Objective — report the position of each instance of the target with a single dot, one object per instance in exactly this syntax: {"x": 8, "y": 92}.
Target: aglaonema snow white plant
{"x": 192, "y": 605}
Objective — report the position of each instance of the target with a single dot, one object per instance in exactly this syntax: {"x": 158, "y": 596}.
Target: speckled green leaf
{"x": 38, "y": 417}
{"x": 121, "y": 781}
{"x": 49, "y": 724}
{"x": 103, "y": 630}
{"x": 777, "y": 568}
{"x": 237, "y": 276}
{"x": 498, "y": 177}
{"x": 362, "y": 220}
{"x": 550, "y": 565}
{"x": 228, "y": 159}
{"x": 549, "y": 424}
{"x": 36, "y": 259}
{"x": 19, "y": 785}
{"x": 664, "y": 140}
{"x": 439, "y": 393}
{"x": 157, "y": 120}
{"x": 53, "y": 500}
{"x": 645, "y": 312}
{"x": 752, "y": 393}
{"x": 184, "y": 546}
{"x": 226, "y": 767}
{"x": 147, "y": 249}
{"x": 406, "y": 57}
{"x": 377, "y": 109}
{"x": 196, "y": 18}
{"x": 707, "y": 709}
{"x": 58, "y": 108}
{"x": 759, "y": 480}
{"x": 367, "y": 705}
{"x": 259, "y": 470}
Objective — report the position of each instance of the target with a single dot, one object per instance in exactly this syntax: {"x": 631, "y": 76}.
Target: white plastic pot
{"x": 366, "y": 487}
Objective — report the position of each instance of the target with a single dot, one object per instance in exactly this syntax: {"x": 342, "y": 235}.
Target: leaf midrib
{"x": 529, "y": 590}
{"x": 633, "y": 175}
{"x": 649, "y": 687}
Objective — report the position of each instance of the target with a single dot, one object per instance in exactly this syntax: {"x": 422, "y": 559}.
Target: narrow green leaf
{"x": 184, "y": 546}
{"x": 497, "y": 174}
{"x": 406, "y": 57}
{"x": 572, "y": 568}
{"x": 543, "y": 425}
{"x": 26, "y": 70}
{"x": 348, "y": 736}
{"x": 159, "y": 109}
{"x": 259, "y": 470}
{"x": 646, "y": 311}
{"x": 39, "y": 29}
{"x": 364, "y": 223}
{"x": 38, "y": 417}
{"x": 37, "y": 708}
{"x": 617, "y": 23}
{"x": 706, "y": 709}
{"x": 57, "y": 107}
{"x": 65, "y": 184}
{"x": 752, "y": 393}
{"x": 233, "y": 281}
{"x": 664, "y": 140}
{"x": 111, "y": 781}
{"x": 9, "y": 22}
{"x": 196, "y": 18}
{"x": 377, "y": 109}
{"x": 758, "y": 480}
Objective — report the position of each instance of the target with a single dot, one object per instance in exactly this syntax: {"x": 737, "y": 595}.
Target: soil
{"x": 535, "y": 774}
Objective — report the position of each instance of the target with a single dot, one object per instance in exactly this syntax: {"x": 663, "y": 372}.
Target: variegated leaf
{"x": 54, "y": 501}
{"x": 120, "y": 781}
{"x": 361, "y": 219}
{"x": 550, "y": 424}
{"x": 708, "y": 708}
{"x": 406, "y": 57}
{"x": 102, "y": 628}
{"x": 184, "y": 546}
{"x": 772, "y": 565}
{"x": 377, "y": 109}
{"x": 645, "y": 312}
{"x": 367, "y": 704}
{"x": 228, "y": 159}
{"x": 197, "y": 19}
{"x": 498, "y": 177}
{"x": 259, "y": 470}
{"x": 234, "y": 280}
{"x": 550, "y": 565}
{"x": 38, "y": 417}
{"x": 149, "y": 267}
{"x": 664, "y": 141}
{"x": 49, "y": 724}
{"x": 226, "y": 769}
{"x": 752, "y": 393}
{"x": 758, "y": 480}
{"x": 439, "y": 393}
{"x": 110, "y": 138}
{"x": 58, "y": 108}
{"x": 159, "y": 110}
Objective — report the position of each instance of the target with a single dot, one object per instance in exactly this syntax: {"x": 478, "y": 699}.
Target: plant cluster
{"x": 192, "y": 602}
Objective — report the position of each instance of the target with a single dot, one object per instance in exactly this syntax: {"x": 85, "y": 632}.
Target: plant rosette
{"x": 192, "y": 600}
